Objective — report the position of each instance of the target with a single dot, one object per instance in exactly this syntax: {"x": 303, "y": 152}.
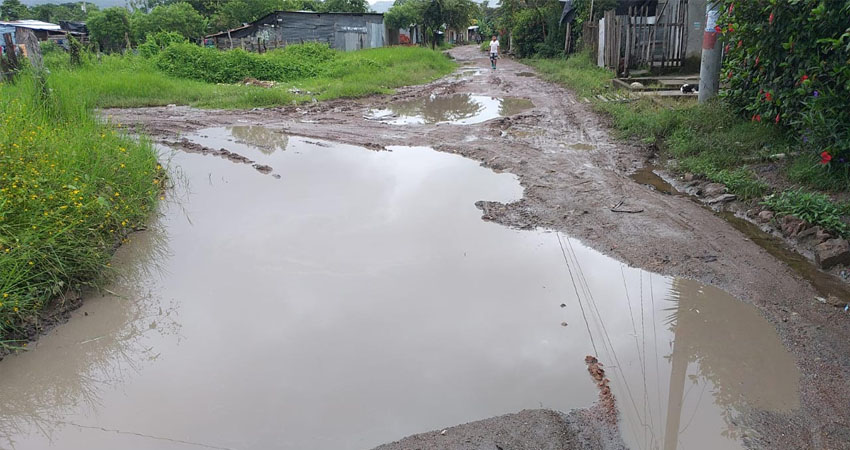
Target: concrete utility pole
{"x": 712, "y": 53}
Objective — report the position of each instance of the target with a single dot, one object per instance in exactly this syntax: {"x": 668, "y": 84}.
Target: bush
{"x": 205, "y": 64}
{"x": 156, "y": 42}
{"x": 787, "y": 63}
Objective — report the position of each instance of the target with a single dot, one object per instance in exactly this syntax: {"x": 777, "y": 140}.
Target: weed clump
{"x": 815, "y": 208}
{"x": 70, "y": 189}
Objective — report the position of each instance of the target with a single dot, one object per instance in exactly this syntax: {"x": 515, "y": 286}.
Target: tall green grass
{"x": 70, "y": 189}
{"x": 133, "y": 81}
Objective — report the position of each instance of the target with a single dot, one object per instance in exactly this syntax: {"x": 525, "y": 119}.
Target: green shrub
{"x": 295, "y": 62}
{"x": 156, "y": 42}
{"x": 788, "y": 63}
{"x": 817, "y": 209}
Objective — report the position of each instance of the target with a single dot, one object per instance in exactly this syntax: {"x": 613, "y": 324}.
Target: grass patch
{"x": 814, "y": 208}
{"x": 70, "y": 188}
{"x": 134, "y": 81}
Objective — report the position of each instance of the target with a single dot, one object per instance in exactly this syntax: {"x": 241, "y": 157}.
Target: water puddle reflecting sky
{"x": 458, "y": 109}
{"x": 360, "y": 298}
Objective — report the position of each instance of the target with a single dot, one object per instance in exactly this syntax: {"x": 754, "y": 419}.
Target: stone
{"x": 791, "y": 226}
{"x": 765, "y": 216}
{"x": 831, "y": 253}
{"x": 713, "y": 189}
{"x": 723, "y": 198}
{"x": 813, "y": 236}
{"x": 688, "y": 177}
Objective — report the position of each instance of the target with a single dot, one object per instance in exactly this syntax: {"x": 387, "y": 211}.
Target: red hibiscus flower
{"x": 770, "y": 19}
{"x": 731, "y": 7}
{"x": 731, "y": 29}
{"x": 768, "y": 96}
{"x": 805, "y": 77}
{"x": 825, "y": 158}
{"x": 757, "y": 118}
{"x": 740, "y": 43}
{"x": 718, "y": 29}
{"x": 776, "y": 119}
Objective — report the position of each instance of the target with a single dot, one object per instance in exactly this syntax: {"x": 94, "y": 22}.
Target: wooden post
{"x": 9, "y": 64}
{"x": 27, "y": 38}
{"x": 230, "y": 38}
{"x": 567, "y": 39}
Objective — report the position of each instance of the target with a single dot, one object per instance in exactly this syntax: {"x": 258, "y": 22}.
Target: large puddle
{"x": 360, "y": 298}
{"x": 460, "y": 109}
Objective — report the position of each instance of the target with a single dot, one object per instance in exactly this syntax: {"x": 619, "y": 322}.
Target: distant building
{"x": 46, "y": 31}
{"x": 342, "y": 31}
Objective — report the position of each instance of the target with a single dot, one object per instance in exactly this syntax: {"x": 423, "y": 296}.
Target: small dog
{"x": 689, "y": 88}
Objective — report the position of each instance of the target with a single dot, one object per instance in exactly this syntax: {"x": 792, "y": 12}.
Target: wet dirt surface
{"x": 573, "y": 191}
{"x": 366, "y": 281}
{"x": 459, "y": 109}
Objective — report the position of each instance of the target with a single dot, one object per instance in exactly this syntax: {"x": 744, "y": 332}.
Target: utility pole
{"x": 712, "y": 53}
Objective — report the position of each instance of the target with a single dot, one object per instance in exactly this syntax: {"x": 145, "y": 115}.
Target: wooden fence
{"x": 640, "y": 39}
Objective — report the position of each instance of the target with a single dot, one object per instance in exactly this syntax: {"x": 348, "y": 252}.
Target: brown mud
{"x": 573, "y": 191}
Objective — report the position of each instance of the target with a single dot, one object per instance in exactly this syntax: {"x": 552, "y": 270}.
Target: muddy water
{"x": 460, "y": 109}
{"x": 360, "y": 298}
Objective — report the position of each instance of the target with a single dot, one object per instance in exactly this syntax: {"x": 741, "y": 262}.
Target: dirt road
{"x": 573, "y": 171}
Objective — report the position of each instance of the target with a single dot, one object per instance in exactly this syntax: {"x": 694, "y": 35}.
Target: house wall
{"x": 340, "y": 31}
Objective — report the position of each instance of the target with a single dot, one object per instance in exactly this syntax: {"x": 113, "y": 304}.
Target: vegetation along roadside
{"x": 168, "y": 70}
{"x": 71, "y": 189}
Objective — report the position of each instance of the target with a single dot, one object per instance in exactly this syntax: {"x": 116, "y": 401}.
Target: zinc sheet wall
{"x": 341, "y": 31}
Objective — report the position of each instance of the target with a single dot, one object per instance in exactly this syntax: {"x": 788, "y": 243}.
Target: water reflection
{"x": 461, "y": 109}
{"x": 266, "y": 140}
{"x": 106, "y": 342}
{"x": 360, "y": 299}
{"x": 738, "y": 353}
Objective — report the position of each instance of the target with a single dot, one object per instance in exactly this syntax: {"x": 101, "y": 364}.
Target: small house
{"x": 342, "y": 31}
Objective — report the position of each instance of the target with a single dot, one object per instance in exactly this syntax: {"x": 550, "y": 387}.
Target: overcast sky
{"x": 101, "y": 3}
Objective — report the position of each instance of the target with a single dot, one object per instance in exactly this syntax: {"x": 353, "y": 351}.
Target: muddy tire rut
{"x": 573, "y": 171}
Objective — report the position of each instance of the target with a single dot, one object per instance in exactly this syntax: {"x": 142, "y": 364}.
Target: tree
{"x": 404, "y": 14}
{"x": 433, "y": 15}
{"x": 13, "y": 10}
{"x": 51, "y": 12}
{"x": 352, "y": 6}
{"x": 110, "y": 28}
{"x": 176, "y": 17}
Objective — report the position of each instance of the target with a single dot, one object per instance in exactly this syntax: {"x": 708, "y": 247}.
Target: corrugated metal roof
{"x": 33, "y": 25}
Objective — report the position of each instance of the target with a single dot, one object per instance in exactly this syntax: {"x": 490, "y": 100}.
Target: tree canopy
{"x": 433, "y": 15}
{"x": 13, "y": 10}
{"x": 110, "y": 28}
{"x": 175, "y": 17}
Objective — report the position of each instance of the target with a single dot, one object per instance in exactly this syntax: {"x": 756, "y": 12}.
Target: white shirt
{"x": 494, "y": 47}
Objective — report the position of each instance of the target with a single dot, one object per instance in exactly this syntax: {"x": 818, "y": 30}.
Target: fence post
{"x": 709, "y": 70}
